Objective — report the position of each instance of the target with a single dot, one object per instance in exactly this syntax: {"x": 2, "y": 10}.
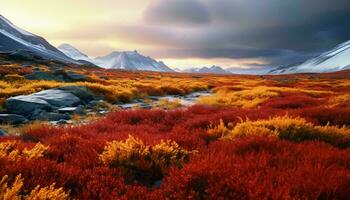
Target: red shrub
{"x": 247, "y": 168}
{"x": 293, "y": 101}
{"x": 5, "y": 70}
{"x": 262, "y": 168}
{"x": 321, "y": 115}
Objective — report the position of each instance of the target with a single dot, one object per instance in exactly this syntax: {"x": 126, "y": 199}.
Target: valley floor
{"x": 253, "y": 137}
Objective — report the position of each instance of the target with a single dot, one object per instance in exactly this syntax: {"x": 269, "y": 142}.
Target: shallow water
{"x": 153, "y": 101}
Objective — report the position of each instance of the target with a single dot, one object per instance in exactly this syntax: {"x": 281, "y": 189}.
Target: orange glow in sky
{"x": 98, "y": 27}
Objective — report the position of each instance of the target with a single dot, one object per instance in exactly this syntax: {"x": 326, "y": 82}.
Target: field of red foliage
{"x": 291, "y": 143}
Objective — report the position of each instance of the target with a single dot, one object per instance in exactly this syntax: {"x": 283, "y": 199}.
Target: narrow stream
{"x": 153, "y": 101}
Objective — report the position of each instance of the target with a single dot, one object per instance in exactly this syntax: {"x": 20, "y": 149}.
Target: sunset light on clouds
{"x": 188, "y": 33}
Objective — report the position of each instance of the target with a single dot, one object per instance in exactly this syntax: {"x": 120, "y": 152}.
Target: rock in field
{"x": 12, "y": 119}
{"x": 57, "y": 98}
{"x": 72, "y": 110}
{"x": 26, "y": 104}
{"x": 81, "y": 92}
{"x": 2, "y": 133}
{"x": 47, "y": 100}
{"x": 51, "y": 116}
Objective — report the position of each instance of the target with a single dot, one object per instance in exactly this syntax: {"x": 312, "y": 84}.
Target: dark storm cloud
{"x": 282, "y": 32}
{"x": 274, "y": 56}
{"x": 177, "y": 12}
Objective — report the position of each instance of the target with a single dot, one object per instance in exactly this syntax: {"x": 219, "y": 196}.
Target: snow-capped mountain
{"x": 130, "y": 60}
{"x": 334, "y": 60}
{"x": 126, "y": 60}
{"x": 207, "y": 70}
{"x": 73, "y": 52}
{"x": 15, "y": 39}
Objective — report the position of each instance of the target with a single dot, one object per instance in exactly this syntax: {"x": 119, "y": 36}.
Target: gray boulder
{"x": 57, "y": 98}
{"x": 12, "y": 119}
{"x": 81, "y": 92}
{"x": 26, "y": 104}
{"x": 51, "y": 116}
{"x": 31, "y": 105}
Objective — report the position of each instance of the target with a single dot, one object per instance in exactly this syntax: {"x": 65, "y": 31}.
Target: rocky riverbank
{"x": 60, "y": 105}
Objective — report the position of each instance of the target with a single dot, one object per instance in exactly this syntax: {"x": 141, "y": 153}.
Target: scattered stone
{"x": 72, "y": 110}
{"x": 12, "y": 119}
{"x": 81, "y": 92}
{"x": 51, "y": 116}
{"x": 58, "y": 98}
{"x": 2, "y": 133}
{"x": 31, "y": 105}
{"x": 153, "y": 98}
{"x": 145, "y": 106}
{"x": 103, "y": 112}
{"x": 95, "y": 103}
{"x": 26, "y": 104}
{"x": 62, "y": 121}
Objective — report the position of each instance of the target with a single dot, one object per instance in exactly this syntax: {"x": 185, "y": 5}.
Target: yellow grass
{"x": 15, "y": 191}
{"x": 296, "y": 129}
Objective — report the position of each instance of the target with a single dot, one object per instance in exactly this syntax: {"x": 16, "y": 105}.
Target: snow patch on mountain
{"x": 207, "y": 70}
{"x": 14, "y": 39}
{"x": 336, "y": 59}
{"x": 125, "y": 60}
{"x": 24, "y": 32}
{"x": 73, "y": 52}
{"x": 130, "y": 60}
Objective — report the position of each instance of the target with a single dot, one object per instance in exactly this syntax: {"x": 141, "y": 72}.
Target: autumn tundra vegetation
{"x": 255, "y": 137}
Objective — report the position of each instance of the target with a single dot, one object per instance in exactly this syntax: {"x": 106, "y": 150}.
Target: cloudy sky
{"x": 184, "y": 33}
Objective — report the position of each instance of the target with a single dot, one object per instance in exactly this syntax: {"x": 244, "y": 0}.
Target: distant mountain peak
{"x": 126, "y": 60}
{"x": 208, "y": 70}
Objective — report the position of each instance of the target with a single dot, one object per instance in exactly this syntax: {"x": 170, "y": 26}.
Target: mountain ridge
{"x": 15, "y": 39}
{"x": 126, "y": 60}
{"x": 207, "y": 70}
{"x": 336, "y": 59}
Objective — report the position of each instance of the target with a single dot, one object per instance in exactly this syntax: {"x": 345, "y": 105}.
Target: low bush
{"x": 296, "y": 129}
{"x": 261, "y": 168}
{"x": 9, "y": 151}
{"x": 15, "y": 191}
{"x": 151, "y": 161}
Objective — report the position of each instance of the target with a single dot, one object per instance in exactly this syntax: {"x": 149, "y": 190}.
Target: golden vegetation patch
{"x": 16, "y": 191}
{"x": 8, "y": 150}
{"x": 133, "y": 153}
{"x": 343, "y": 99}
{"x": 296, "y": 129}
{"x": 169, "y": 104}
{"x": 245, "y": 99}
